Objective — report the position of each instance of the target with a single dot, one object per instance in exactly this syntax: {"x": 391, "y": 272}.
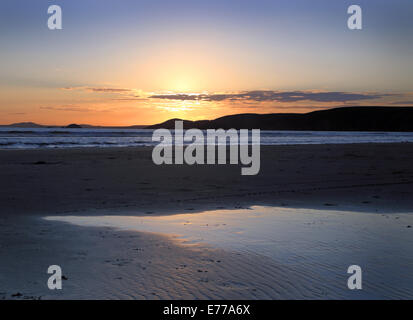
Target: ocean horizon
{"x": 34, "y": 138}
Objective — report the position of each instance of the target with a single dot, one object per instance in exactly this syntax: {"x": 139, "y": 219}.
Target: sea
{"x": 33, "y": 138}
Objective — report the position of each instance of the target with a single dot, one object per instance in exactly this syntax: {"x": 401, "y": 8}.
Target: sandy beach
{"x": 374, "y": 180}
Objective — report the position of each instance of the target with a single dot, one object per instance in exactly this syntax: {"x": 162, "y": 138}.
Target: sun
{"x": 183, "y": 82}
{"x": 182, "y": 85}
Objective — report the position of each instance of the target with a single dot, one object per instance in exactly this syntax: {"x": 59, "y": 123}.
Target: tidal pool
{"x": 323, "y": 243}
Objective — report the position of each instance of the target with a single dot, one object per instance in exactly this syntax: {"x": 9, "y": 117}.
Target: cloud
{"x": 254, "y": 96}
{"x": 100, "y": 89}
{"x": 277, "y": 96}
{"x": 68, "y": 108}
{"x": 134, "y": 98}
{"x": 109, "y": 90}
{"x": 402, "y": 103}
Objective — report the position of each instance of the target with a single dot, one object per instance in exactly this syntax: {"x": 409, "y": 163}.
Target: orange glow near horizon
{"x": 117, "y": 106}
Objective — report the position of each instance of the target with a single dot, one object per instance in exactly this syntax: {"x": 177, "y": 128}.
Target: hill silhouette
{"x": 24, "y": 125}
{"x": 337, "y": 119}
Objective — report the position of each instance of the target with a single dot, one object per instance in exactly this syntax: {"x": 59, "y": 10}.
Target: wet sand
{"x": 108, "y": 263}
{"x": 369, "y": 176}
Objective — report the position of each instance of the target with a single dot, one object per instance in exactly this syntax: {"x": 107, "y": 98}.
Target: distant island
{"x": 70, "y": 126}
{"x": 74, "y": 126}
{"x": 337, "y": 119}
{"x": 389, "y": 119}
{"x": 24, "y": 125}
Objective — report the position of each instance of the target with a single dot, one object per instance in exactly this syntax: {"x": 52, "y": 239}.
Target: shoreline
{"x": 151, "y": 146}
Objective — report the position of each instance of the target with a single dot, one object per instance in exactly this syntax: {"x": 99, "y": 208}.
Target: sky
{"x": 132, "y": 62}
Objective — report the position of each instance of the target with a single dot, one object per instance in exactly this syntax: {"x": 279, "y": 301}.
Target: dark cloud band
{"x": 280, "y": 96}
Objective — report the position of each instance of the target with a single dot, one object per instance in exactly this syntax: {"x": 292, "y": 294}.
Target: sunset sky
{"x": 126, "y": 62}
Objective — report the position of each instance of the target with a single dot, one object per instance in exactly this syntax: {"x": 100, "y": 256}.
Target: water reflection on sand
{"x": 323, "y": 241}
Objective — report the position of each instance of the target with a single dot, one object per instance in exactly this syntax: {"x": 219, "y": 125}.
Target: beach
{"x": 102, "y": 262}
{"x": 206, "y": 150}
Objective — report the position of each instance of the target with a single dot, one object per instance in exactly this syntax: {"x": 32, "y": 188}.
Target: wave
{"x": 17, "y": 132}
{"x": 12, "y": 138}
